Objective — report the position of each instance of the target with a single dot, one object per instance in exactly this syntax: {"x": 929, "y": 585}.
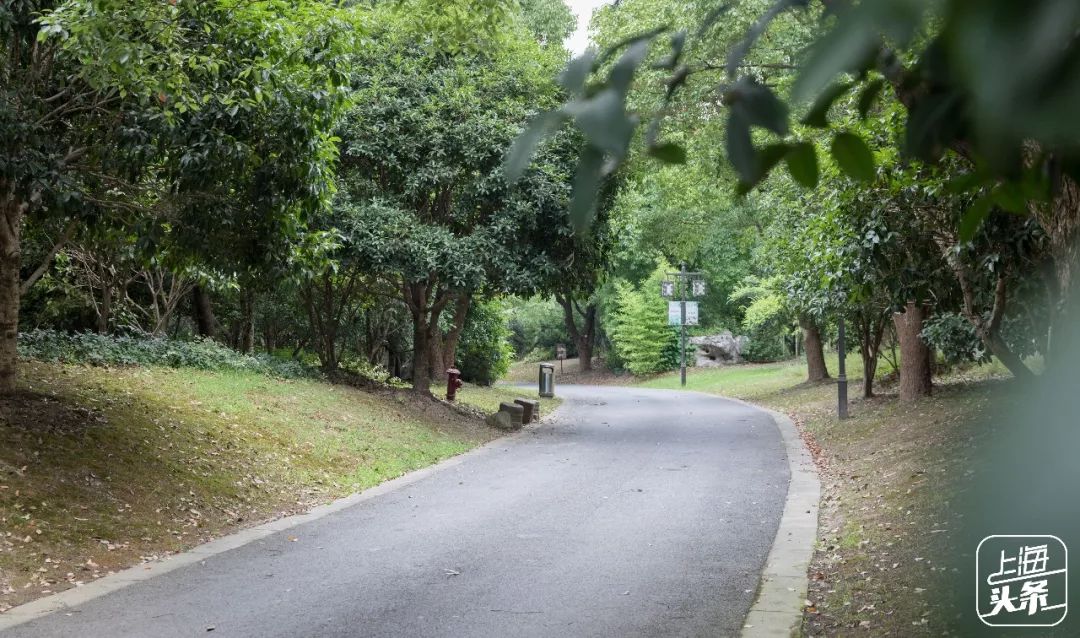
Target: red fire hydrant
{"x": 453, "y": 382}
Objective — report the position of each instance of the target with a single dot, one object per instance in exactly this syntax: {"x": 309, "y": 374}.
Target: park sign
{"x": 674, "y": 313}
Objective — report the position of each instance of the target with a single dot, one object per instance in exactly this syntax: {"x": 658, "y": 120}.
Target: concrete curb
{"x": 67, "y": 599}
{"x": 777, "y": 611}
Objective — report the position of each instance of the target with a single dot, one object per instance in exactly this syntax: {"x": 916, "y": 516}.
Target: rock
{"x": 719, "y": 349}
{"x": 501, "y": 420}
{"x": 509, "y": 417}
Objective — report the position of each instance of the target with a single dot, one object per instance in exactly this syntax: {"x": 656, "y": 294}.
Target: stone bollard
{"x": 531, "y": 410}
{"x": 516, "y": 413}
{"x": 508, "y": 417}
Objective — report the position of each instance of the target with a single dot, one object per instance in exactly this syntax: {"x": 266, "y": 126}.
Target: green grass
{"x": 102, "y": 467}
{"x": 762, "y": 382}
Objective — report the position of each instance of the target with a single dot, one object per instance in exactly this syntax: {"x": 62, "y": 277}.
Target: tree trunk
{"x": 915, "y": 373}
{"x": 871, "y": 332}
{"x": 425, "y": 315}
{"x": 448, "y": 352}
{"x": 584, "y": 337}
{"x": 10, "y": 256}
{"x": 247, "y": 322}
{"x": 815, "y": 354}
{"x": 989, "y": 331}
{"x": 105, "y": 310}
{"x": 204, "y": 312}
{"x": 421, "y": 364}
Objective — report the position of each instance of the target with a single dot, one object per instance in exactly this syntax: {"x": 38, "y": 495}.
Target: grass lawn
{"x": 102, "y": 468}
{"x": 891, "y": 477}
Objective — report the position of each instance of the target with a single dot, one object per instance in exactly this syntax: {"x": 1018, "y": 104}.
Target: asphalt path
{"x": 631, "y": 513}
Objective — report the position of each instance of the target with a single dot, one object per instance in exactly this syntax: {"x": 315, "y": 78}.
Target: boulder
{"x": 719, "y": 349}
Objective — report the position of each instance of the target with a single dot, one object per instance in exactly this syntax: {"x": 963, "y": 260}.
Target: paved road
{"x": 634, "y": 513}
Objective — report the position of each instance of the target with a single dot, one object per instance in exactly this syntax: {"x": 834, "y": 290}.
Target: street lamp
{"x": 687, "y": 286}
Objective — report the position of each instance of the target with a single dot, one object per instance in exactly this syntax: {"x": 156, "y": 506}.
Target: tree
{"x": 421, "y": 191}
{"x": 992, "y": 81}
{"x": 158, "y": 117}
{"x": 643, "y": 340}
{"x": 485, "y": 354}
{"x": 550, "y": 21}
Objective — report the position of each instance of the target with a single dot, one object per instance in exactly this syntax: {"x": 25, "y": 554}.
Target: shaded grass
{"x": 101, "y": 468}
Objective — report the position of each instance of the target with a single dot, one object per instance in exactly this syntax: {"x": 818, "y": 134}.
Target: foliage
{"x": 147, "y": 350}
{"x": 944, "y": 60}
{"x": 550, "y": 21}
{"x": 767, "y": 319}
{"x": 484, "y": 354}
{"x": 643, "y": 341}
{"x": 536, "y": 326}
{"x": 954, "y": 337}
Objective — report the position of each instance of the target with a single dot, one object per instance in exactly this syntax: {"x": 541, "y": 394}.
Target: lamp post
{"x": 668, "y": 289}
{"x": 841, "y": 380}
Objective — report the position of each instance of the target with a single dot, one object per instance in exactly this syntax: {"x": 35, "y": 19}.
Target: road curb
{"x": 777, "y": 610}
{"x": 70, "y": 598}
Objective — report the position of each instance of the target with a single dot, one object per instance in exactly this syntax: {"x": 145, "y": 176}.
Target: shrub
{"x": 484, "y": 352}
{"x": 765, "y": 346}
{"x": 147, "y": 350}
{"x": 954, "y": 337}
{"x": 536, "y": 326}
{"x": 643, "y": 341}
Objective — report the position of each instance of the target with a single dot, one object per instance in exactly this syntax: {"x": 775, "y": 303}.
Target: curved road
{"x": 631, "y": 513}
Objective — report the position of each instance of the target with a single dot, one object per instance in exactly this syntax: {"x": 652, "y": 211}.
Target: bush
{"x": 765, "y": 347}
{"x": 484, "y": 352}
{"x": 536, "y": 326}
{"x": 643, "y": 341}
{"x": 954, "y": 337}
{"x": 146, "y": 350}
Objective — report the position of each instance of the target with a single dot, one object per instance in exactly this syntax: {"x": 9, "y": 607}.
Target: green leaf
{"x": 520, "y": 154}
{"x": 576, "y": 72}
{"x": 759, "y": 106}
{"x": 622, "y": 74}
{"x": 853, "y": 156}
{"x": 767, "y": 159}
{"x": 869, "y": 95}
{"x": 645, "y": 36}
{"x": 973, "y": 218}
{"x": 586, "y": 187}
{"x": 802, "y": 164}
{"x": 848, "y": 45}
{"x": 1011, "y": 197}
{"x": 602, "y": 118}
{"x": 740, "y": 147}
{"x": 817, "y": 116}
{"x": 669, "y": 153}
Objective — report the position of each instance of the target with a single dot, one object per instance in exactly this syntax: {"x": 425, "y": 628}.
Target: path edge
{"x": 778, "y": 608}
{"x": 76, "y": 596}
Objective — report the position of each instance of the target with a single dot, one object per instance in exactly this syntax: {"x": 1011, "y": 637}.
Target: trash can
{"x": 547, "y": 380}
